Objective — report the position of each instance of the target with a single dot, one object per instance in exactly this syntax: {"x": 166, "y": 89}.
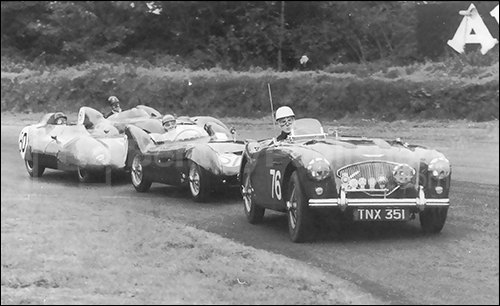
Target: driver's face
{"x": 116, "y": 107}
{"x": 60, "y": 121}
{"x": 169, "y": 125}
{"x": 286, "y": 123}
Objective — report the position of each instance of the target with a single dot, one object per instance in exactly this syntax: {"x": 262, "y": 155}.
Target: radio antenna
{"x": 272, "y": 109}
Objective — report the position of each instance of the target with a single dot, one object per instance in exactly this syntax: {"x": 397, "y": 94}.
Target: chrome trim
{"x": 343, "y": 202}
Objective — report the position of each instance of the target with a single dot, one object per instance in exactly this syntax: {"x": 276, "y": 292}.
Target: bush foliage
{"x": 445, "y": 90}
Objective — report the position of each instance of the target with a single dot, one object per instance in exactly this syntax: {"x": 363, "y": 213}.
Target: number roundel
{"x": 276, "y": 183}
{"x": 230, "y": 160}
{"x": 23, "y": 142}
{"x": 81, "y": 117}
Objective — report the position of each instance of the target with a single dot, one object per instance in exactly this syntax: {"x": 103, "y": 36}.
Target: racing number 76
{"x": 276, "y": 183}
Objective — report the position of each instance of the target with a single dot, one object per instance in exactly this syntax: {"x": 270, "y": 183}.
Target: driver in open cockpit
{"x": 285, "y": 117}
{"x": 169, "y": 123}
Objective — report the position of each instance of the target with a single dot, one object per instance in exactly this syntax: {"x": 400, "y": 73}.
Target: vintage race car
{"x": 361, "y": 179}
{"x": 71, "y": 147}
{"x": 144, "y": 117}
{"x": 202, "y": 154}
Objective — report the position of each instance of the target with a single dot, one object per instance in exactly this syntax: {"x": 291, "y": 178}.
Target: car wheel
{"x": 198, "y": 182}
{"x": 253, "y": 211}
{"x": 137, "y": 175}
{"x": 84, "y": 175}
{"x": 300, "y": 217}
{"x": 432, "y": 219}
{"x": 33, "y": 167}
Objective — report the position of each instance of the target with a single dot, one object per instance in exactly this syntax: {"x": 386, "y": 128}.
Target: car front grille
{"x": 372, "y": 177}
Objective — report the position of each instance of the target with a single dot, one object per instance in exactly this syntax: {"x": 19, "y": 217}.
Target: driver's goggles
{"x": 169, "y": 124}
{"x": 287, "y": 120}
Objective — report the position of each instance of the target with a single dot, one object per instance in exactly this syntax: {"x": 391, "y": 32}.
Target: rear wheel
{"x": 432, "y": 219}
{"x": 199, "y": 183}
{"x": 253, "y": 211}
{"x": 137, "y": 175}
{"x": 300, "y": 218}
{"x": 33, "y": 167}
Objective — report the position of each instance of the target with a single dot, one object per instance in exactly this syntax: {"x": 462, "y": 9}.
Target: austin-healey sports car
{"x": 71, "y": 147}
{"x": 202, "y": 154}
{"x": 358, "y": 178}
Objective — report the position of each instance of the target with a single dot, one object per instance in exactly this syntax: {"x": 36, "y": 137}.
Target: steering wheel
{"x": 177, "y": 137}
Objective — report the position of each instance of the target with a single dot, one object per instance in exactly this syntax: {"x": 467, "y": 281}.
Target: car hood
{"x": 340, "y": 153}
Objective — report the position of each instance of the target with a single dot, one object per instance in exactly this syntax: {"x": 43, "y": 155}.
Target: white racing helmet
{"x": 112, "y": 100}
{"x": 284, "y": 112}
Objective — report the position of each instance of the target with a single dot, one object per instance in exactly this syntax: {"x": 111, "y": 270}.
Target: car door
{"x": 267, "y": 177}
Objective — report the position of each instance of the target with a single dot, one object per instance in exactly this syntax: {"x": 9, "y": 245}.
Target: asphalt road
{"x": 393, "y": 261}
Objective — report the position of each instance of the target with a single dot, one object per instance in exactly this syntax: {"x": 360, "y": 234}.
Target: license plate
{"x": 381, "y": 214}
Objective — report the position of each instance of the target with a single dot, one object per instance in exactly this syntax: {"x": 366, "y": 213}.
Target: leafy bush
{"x": 428, "y": 90}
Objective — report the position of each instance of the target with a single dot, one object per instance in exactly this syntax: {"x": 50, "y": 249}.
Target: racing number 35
{"x": 276, "y": 183}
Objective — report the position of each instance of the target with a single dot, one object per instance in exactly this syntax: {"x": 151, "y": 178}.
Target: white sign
{"x": 472, "y": 30}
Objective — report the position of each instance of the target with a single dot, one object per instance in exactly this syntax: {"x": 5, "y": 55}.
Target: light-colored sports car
{"x": 91, "y": 147}
{"x": 71, "y": 147}
{"x": 362, "y": 179}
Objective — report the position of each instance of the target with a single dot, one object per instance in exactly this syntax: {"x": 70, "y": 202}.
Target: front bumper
{"x": 343, "y": 201}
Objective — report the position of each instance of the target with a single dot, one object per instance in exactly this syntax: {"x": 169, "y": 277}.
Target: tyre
{"x": 253, "y": 211}
{"x": 432, "y": 219}
{"x": 137, "y": 175}
{"x": 199, "y": 183}
{"x": 84, "y": 175}
{"x": 33, "y": 167}
{"x": 300, "y": 218}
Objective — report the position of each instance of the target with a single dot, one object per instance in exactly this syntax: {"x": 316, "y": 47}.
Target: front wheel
{"x": 199, "y": 184}
{"x": 253, "y": 211}
{"x": 300, "y": 218}
{"x": 33, "y": 167}
{"x": 137, "y": 175}
{"x": 432, "y": 219}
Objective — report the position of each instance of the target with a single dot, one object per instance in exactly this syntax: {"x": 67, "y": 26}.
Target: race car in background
{"x": 359, "y": 178}
{"x": 71, "y": 147}
{"x": 202, "y": 156}
{"x": 144, "y": 117}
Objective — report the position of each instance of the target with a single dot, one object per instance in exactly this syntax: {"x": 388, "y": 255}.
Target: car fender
{"x": 151, "y": 111}
{"x": 205, "y": 157}
{"x": 139, "y": 136}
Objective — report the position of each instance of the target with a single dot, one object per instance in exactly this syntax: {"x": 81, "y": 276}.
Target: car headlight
{"x": 440, "y": 168}
{"x": 319, "y": 169}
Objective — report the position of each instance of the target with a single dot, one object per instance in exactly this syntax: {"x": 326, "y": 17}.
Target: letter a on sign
{"x": 494, "y": 13}
{"x": 472, "y": 30}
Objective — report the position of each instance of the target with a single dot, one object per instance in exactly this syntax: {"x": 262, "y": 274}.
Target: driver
{"x": 115, "y": 106}
{"x": 169, "y": 126}
{"x": 169, "y": 123}
{"x": 60, "y": 118}
{"x": 285, "y": 117}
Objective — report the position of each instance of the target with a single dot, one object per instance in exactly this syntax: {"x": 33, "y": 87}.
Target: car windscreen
{"x": 306, "y": 127}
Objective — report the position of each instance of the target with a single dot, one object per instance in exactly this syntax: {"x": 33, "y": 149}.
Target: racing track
{"x": 393, "y": 261}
